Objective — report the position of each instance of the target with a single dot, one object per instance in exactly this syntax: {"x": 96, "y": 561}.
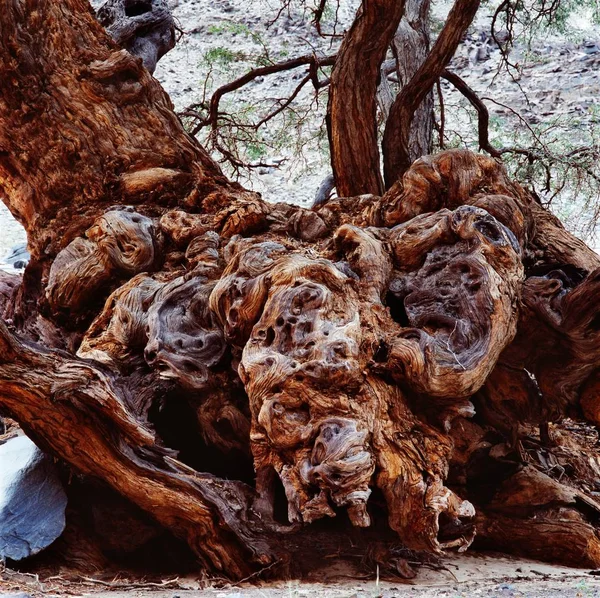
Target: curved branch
{"x": 483, "y": 115}
{"x": 351, "y": 112}
{"x": 49, "y": 392}
{"x": 396, "y": 153}
{"x": 212, "y": 118}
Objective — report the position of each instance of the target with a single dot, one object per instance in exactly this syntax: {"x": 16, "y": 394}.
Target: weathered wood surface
{"x": 145, "y": 28}
{"x": 392, "y": 342}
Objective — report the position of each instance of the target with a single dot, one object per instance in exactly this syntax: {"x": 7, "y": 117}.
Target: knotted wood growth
{"x": 197, "y": 349}
{"x": 144, "y": 27}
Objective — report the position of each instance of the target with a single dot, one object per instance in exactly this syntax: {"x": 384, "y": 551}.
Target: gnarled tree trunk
{"x": 392, "y": 342}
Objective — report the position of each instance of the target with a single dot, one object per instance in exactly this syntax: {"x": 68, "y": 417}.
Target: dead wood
{"x": 212, "y": 357}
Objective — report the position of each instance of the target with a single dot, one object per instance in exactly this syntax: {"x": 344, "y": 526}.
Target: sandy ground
{"x": 463, "y": 576}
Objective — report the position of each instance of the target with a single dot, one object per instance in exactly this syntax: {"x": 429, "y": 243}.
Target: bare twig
{"x": 287, "y": 65}
{"x": 442, "y": 124}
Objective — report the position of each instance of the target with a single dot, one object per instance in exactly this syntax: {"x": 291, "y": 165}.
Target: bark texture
{"x": 143, "y": 27}
{"x": 203, "y": 353}
{"x": 410, "y": 46}
{"x": 351, "y": 113}
{"x": 397, "y": 155}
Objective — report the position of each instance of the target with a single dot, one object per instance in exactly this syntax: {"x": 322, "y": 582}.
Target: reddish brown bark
{"x": 378, "y": 342}
{"x": 352, "y": 107}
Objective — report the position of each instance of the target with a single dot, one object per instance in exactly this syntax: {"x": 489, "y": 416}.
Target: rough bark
{"x": 195, "y": 348}
{"x": 410, "y": 46}
{"x": 351, "y": 113}
{"x": 143, "y": 27}
{"x": 396, "y": 139}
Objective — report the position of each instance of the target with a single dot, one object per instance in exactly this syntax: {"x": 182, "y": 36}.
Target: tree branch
{"x": 352, "y": 108}
{"x": 48, "y": 391}
{"x": 212, "y": 118}
{"x": 396, "y": 154}
{"x": 483, "y": 114}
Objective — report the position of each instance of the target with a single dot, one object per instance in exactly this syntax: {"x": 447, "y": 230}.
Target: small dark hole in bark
{"x": 279, "y": 321}
{"x": 270, "y": 336}
{"x": 382, "y": 353}
{"x": 292, "y": 320}
{"x": 397, "y": 309}
{"x": 453, "y": 527}
{"x": 330, "y": 431}
{"x": 340, "y": 351}
{"x": 326, "y": 332}
{"x": 280, "y": 503}
{"x": 488, "y": 230}
{"x": 137, "y": 7}
{"x": 305, "y": 327}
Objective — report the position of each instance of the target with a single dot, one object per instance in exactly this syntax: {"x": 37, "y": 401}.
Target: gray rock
{"x": 324, "y": 191}
{"x": 18, "y": 256}
{"x": 32, "y": 500}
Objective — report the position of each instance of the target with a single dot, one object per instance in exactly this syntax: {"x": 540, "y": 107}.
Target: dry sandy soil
{"x": 461, "y": 576}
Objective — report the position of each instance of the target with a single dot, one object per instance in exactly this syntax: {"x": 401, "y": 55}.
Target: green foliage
{"x": 220, "y": 55}
{"x": 296, "y": 130}
{"x": 563, "y": 163}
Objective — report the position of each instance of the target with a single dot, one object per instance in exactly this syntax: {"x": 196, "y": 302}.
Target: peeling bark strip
{"x": 337, "y": 351}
